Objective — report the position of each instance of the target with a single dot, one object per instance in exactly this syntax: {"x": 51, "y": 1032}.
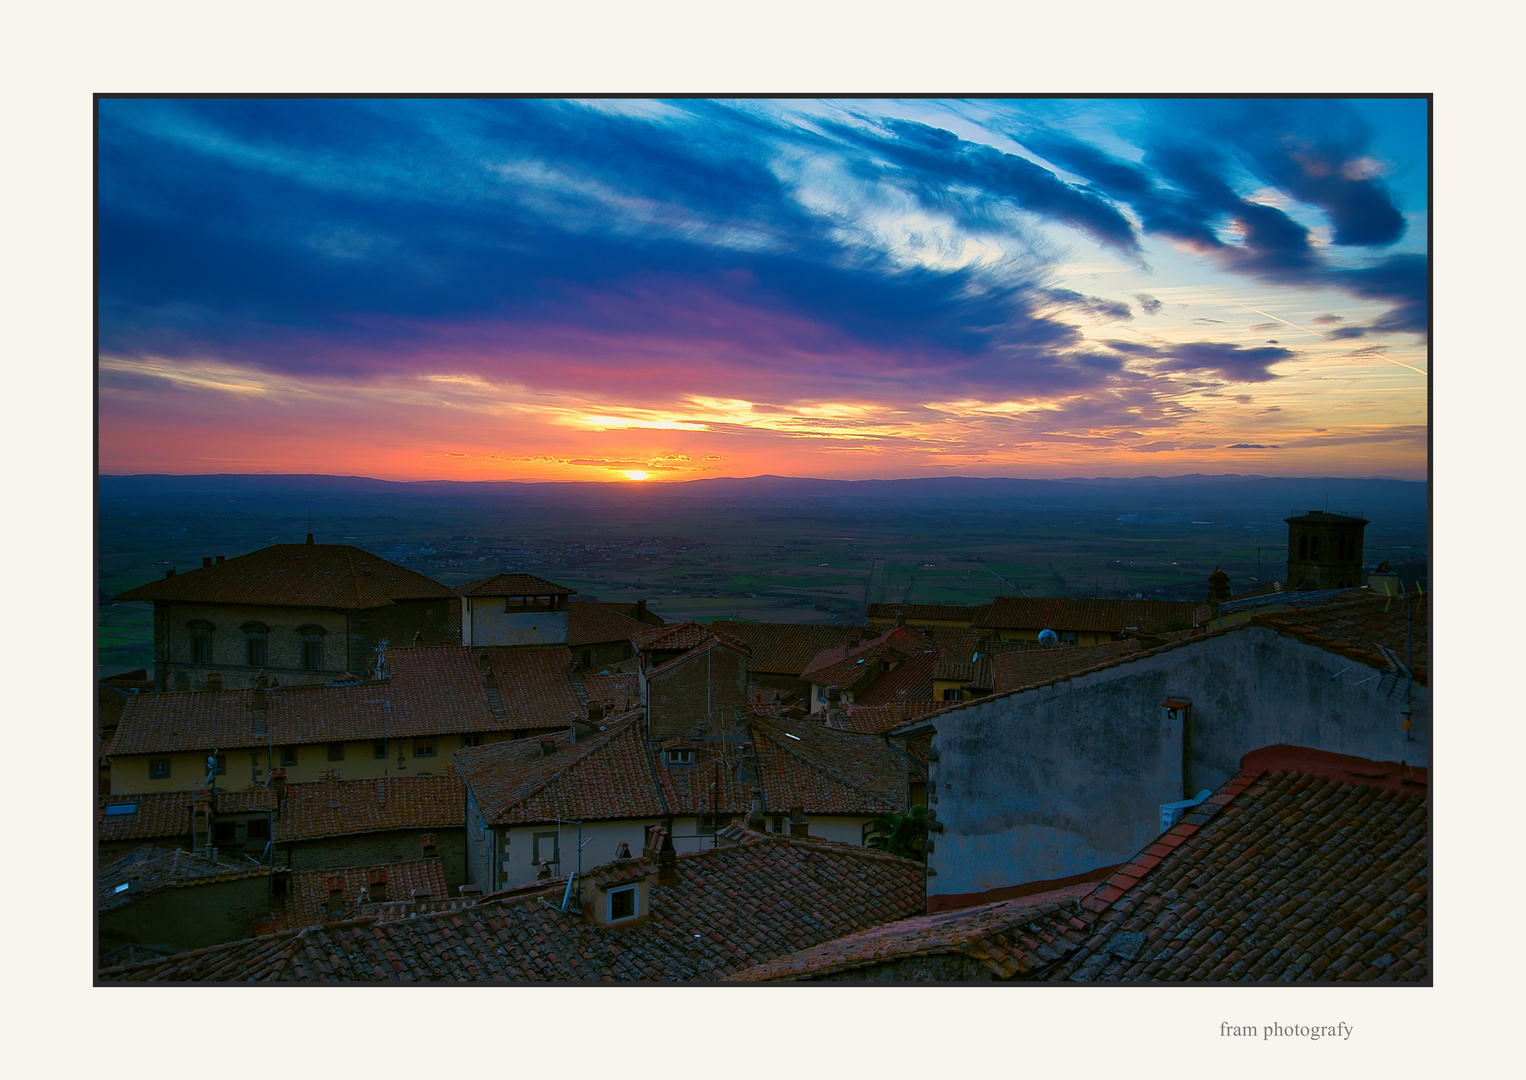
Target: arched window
{"x": 1303, "y": 547}
{"x": 255, "y": 634}
{"x": 201, "y": 641}
{"x": 312, "y": 647}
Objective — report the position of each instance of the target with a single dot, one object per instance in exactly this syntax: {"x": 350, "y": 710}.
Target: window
{"x": 201, "y": 641}
{"x": 585, "y": 657}
{"x": 543, "y": 849}
{"x": 377, "y": 891}
{"x": 224, "y": 832}
{"x": 378, "y": 748}
{"x": 217, "y": 764}
{"x": 159, "y": 768}
{"x": 257, "y": 829}
{"x": 1068, "y": 637}
{"x": 953, "y": 694}
{"x": 706, "y": 824}
{"x": 1314, "y": 548}
{"x": 312, "y": 647}
{"x": 778, "y": 824}
{"x": 288, "y": 755}
{"x": 423, "y": 747}
{"x": 622, "y": 903}
{"x": 470, "y": 740}
{"x": 1303, "y": 547}
{"x": 680, "y": 757}
{"x": 336, "y": 751}
{"x": 254, "y": 643}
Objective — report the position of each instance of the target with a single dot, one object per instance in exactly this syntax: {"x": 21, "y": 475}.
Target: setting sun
{"x": 636, "y": 474}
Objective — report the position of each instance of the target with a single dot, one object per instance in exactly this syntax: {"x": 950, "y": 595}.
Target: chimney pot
{"x": 170, "y": 572}
{"x": 309, "y": 538}
{"x": 547, "y": 746}
{"x": 220, "y": 558}
{"x": 798, "y": 827}
{"x": 490, "y": 681}
{"x": 206, "y": 561}
{"x": 482, "y": 662}
{"x": 640, "y": 607}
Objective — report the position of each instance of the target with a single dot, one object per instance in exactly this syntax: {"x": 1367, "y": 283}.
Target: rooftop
{"x": 430, "y": 691}
{"x": 923, "y": 612}
{"x": 729, "y": 907}
{"x": 846, "y": 665}
{"x": 321, "y": 808}
{"x": 590, "y": 623}
{"x": 148, "y": 870}
{"x": 1088, "y": 616}
{"x": 1361, "y": 627}
{"x": 296, "y": 575}
{"x": 787, "y": 648}
{"x": 514, "y": 585}
{"x": 310, "y": 899}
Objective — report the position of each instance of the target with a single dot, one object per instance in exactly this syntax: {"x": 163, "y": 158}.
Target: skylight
{"x": 121, "y": 809}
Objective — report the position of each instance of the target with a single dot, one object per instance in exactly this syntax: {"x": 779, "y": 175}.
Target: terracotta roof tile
{"x": 924, "y": 612}
{"x": 304, "y": 575}
{"x": 787, "y": 648}
{"x": 590, "y": 623}
{"x": 730, "y": 907}
{"x": 913, "y": 677}
{"x": 148, "y": 870}
{"x": 844, "y": 667}
{"x": 1356, "y": 627}
{"x": 514, "y": 585}
{"x": 617, "y": 692}
{"x": 321, "y": 808}
{"x": 878, "y": 719}
{"x": 430, "y": 691}
{"x": 152, "y": 816}
{"x": 1034, "y": 667}
{"x": 1062, "y": 614}
{"x": 308, "y": 892}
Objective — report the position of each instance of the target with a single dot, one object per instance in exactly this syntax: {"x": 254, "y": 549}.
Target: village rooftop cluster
{"x": 341, "y": 770}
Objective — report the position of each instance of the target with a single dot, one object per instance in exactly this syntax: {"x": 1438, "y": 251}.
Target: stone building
{"x": 1325, "y": 550}
{"x": 301, "y": 613}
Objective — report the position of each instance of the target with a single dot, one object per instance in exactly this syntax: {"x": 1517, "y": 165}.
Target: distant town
{"x": 447, "y": 761}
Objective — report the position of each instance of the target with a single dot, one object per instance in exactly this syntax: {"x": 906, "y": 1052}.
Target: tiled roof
{"x": 631, "y": 611}
{"x": 534, "y": 687}
{"x": 429, "y": 691}
{"x": 787, "y": 648}
{"x": 151, "y": 870}
{"x": 712, "y": 641}
{"x": 308, "y": 891}
{"x": 589, "y": 624}
{"x": 1356, "y": 627}
{"x": 959, "y": 644}
{"x": 601, "y": 776}
{"x": 514, "y": 585}
{"x": 730, "y": 907}
{"x": 157, "y": 815}
{"x": 844, "y": 667}
{"x": 1306, "y": 866}
{"x": 610, "y": 775}
{"x": 1087, "y": 616}
{"x": 1010, "y": 938}
{"x": 914, "y": 675}
{"x": 617, "y": 692}
{"x": 878, "y": 719}
{"x": 920, "y": 612}
{"x": 303, "y": 575}
{"x": 681, "y": 637}
{"x": 320, "y": 808}
{"x": 1034, "y": 667}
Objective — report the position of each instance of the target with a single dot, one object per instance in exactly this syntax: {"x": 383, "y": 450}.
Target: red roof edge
{"x": 955, "y": 901}
{"x": 1341, "y": 768}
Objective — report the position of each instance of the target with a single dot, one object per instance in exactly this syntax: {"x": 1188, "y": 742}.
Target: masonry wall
{"x": 130, "y": 773}
{"x": 699, "y": 695}
{"x": 283, "y": 645}
{"x": 1067, "y": 778}
{"x": 397, "y": 623}
{"x": 484, "y": 621}
{"x": 372, "y": 849}
{"x": 601, "y": 654}
{"x": 192, "y": 917}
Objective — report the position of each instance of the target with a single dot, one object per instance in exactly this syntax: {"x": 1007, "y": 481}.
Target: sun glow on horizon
{"x": 637, "y": 474}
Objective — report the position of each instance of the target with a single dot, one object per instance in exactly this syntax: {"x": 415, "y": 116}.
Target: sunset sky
{"x": 603, "y": 289}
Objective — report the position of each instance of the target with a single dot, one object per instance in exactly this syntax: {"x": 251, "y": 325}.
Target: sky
{"x": 650, "y": 290}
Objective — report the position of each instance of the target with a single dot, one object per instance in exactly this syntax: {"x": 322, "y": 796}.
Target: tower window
{"x": 1314, "y": 548}
{"x": 1303, "y": 547}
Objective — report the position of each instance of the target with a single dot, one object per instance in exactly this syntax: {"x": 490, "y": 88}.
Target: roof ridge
{"x": 819, "y": 767}
{"x": 600, "y": 740}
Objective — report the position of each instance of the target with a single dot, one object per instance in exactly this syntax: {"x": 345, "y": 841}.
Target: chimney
{"x": 595, "y": 712}
{"x": 482, "y": 661}
{"x": 170, "y": 572}
{"x": 798, "y": 827}
{"x": 278, "y": 785}
{"x": 755, "y": 820}
{"x": 900, "y": 618}
{"x": 547, "y": 746}
{"x": 667, "y": 861}
{"x": 1218, "y": 590}
{"x": 206, "y": 561}
{"x": 490, "y": 681}
{"x": 309, "y": 538}
{"x": 640, "y": 608}
{"x": 853, "y": 640}
{"x": 220, "y": 558}
{"x": 418, "y": 638}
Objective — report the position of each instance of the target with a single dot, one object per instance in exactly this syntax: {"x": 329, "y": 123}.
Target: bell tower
{"x": 1325, "y": 551}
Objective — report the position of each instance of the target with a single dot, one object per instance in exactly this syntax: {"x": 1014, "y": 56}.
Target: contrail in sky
{"x": 1305, "y": 329}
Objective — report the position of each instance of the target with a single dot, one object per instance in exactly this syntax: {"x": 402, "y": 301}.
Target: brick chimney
{"x": 667, "y": 860}
{"x": 483, "y": 664}
{"x": 309, "y": 538}
{"x": 206, "y": 561}
{"x": 170, "y": 572}
{"x": 278, "y": 785}
{"x": 755, "y": 819}
{"x": 798, "y": 827}
{"x": 490, "y": 681}
{"x": 640, "y": 608}
{"x": 900, "y": 618}
{"x": 1218, "y": 590}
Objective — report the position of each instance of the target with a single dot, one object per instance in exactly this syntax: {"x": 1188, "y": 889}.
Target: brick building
{"x": 302, "y": 613}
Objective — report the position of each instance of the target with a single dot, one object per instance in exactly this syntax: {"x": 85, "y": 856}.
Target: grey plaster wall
{"x": 1066, "y": 778}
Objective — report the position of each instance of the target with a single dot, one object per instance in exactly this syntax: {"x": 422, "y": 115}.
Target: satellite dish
{"x": 1048, "y": 637}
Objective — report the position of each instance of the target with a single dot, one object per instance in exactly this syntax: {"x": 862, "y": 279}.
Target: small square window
{"x": 378, "y": 748}
{"x": 288, "y": 755}
{"x": 257, "y": 829}
{"x": 224, "y": 832}
{"x": 423, "y": 747}
{"x": 471, "y": 740}
{"x": 622, "y": 903}
{"x": 336, "y": 751}
{"x": 543, "y": 849}
{"x": 159, "y": 768}
{"x": 680, "y": 757}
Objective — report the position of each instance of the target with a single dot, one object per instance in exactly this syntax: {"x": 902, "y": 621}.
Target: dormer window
{"x": 623, "y": 903}
{"x": 680, "y": 756}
